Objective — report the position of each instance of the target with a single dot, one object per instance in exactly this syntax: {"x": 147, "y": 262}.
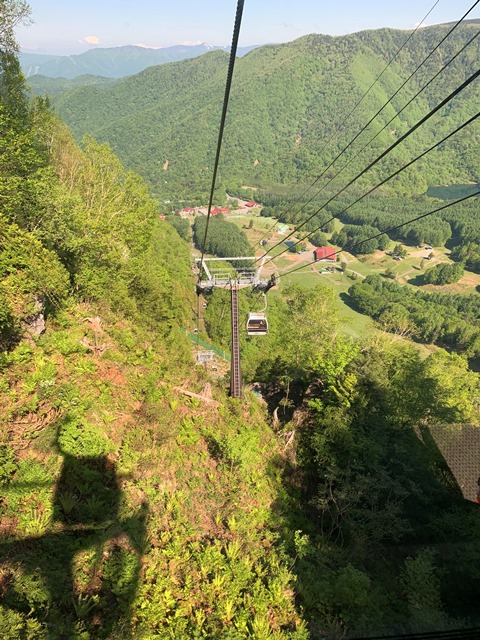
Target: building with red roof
{"x": 325, "y": 253}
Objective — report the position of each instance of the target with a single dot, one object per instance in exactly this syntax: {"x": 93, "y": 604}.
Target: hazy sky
{"x": 69, "y": 26}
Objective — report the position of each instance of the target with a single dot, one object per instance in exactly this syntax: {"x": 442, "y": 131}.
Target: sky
{"x": 70, "y": 27}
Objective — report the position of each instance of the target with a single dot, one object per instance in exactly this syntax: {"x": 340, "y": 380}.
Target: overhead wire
{"x": 388, "y": 150}
{"x": 393, "y": 117}
{"x": 387, "y": 231}
{"x": 341, "y": 153}
{"x": 355, "y": 107}
{"x": 422, "y": 121}
{"x": 228, "y": 86}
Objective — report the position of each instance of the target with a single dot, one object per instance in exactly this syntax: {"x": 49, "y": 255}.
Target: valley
{"x": 408, "y": 270}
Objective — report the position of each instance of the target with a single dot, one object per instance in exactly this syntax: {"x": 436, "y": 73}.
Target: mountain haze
{"x": 287, "y": 102}
{"x": 112, "y": 62}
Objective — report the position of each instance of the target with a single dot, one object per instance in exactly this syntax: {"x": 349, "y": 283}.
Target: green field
{"x": 452, "y": 191}
{"x": 407, "y": 271}
{"x": 353, "y": 322}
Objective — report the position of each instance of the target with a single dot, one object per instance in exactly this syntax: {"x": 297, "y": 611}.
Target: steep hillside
{"x": 128, "y": 509}
{"x": 287, "y": 101}
{"x": 134, "y": 497}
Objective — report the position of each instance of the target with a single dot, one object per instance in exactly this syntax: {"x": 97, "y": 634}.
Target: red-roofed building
{"x": 189, "y": 210}
{"x": 325, "y": 253}
{"x": 251, "y": 204}
{"x": 217, "y": 210}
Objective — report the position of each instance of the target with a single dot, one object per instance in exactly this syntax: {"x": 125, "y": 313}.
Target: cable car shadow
{"x": 82, "y": 574}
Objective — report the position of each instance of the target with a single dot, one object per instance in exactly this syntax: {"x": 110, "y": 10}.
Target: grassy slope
{"x": 160, "y": 502}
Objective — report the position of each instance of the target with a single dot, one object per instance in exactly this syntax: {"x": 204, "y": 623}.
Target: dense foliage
{"x": 31, "y": 277}
{"x": 457, "y": 225}
{"x": 444, "y": 273}
{"x": 470, "y": 254}
{"x": 369, "y": 500}
{"x": 287, "y": 102}
{"x": 97, "y": 218}
{"x": 181, "y": 225}
{"x": 360, "y": 239}
{"x": 449, "y": 320}
{"x": 224, "y": 238}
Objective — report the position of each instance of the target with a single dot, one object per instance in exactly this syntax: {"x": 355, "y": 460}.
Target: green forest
{"x": 223, "y": 238}
{"x": 285, "y": 108}
{"x": 452, "y": 321}
{"x": 137, "y": 499}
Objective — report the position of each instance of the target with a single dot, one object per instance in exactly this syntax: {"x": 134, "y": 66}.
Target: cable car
{"x": 257, "y": 324}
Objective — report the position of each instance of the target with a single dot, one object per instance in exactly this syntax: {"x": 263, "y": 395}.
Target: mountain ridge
{"x": 112, "y": 62}
{"x": 117, "y": 62}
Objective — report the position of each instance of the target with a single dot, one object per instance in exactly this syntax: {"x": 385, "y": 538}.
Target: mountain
{"x": 54, "y": 86}
{"x": 114, "y": 62}
{"x": 288, "y": 112}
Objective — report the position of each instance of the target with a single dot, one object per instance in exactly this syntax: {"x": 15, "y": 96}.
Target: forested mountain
{"x": 287, "y": 114}
{"x": 42, "y": 85}
{"x": 113, "y": 62}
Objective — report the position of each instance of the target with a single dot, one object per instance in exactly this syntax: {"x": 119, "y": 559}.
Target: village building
{"x": 325, "y": 253}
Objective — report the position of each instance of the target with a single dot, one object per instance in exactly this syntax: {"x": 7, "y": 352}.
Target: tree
{"x": 396, "y": 319}
{"x": 12, "y": 13}
{"x": 339, "y": 238}
{"x": 318, "y": 239}
{"x": 31, "y": 278}
{"x": 305, "y": 342}
{"x": 453, "y": 390}
{"x": 224, "y": 238}
{"x": 421, "y": 585}
{"x": 399, "y": 250}
{"x": 444, "y": 273}
{"x": 181, "y": 225}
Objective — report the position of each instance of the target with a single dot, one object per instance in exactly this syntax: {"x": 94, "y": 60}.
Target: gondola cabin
{"x": 257, "y": 324}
